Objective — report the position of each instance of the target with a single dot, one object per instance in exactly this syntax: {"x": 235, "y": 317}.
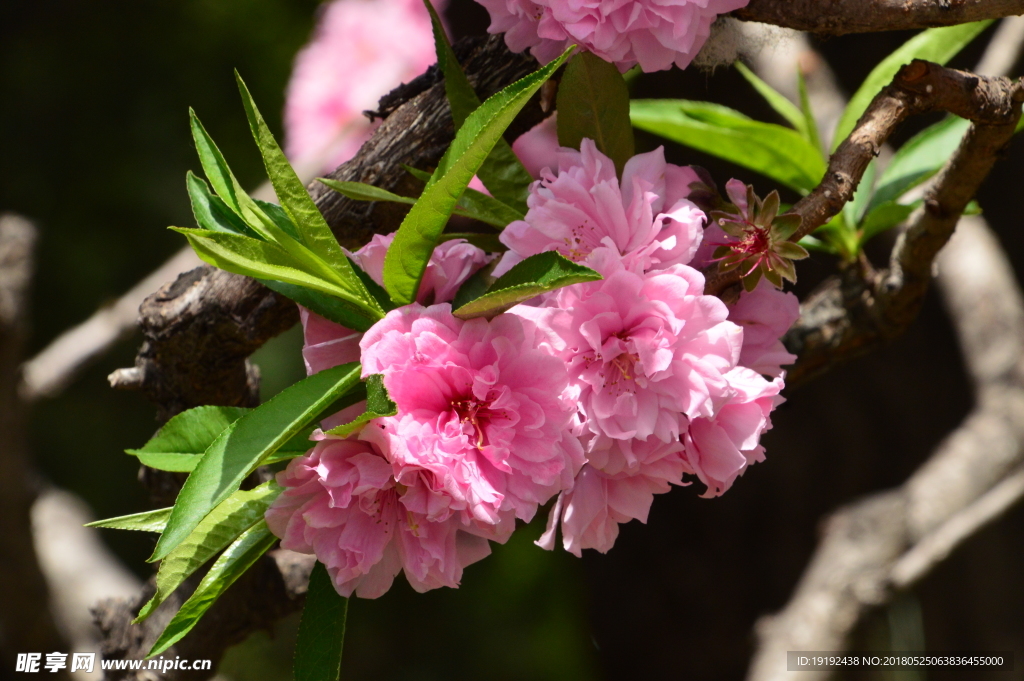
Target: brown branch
{"x": 26, "y": 623}
{"x": 888, "y": 541}
{"x": 993, "y": 104}
{"x": 839, "y": 17}
{"x": 862, "y": 310}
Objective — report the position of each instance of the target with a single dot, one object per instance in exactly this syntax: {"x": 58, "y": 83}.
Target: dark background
{"x": 94, "y": 146}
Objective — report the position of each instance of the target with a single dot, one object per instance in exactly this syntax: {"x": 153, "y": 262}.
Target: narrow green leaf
{"x": 225, "y": 184}
{"x": 805, "y": 108}
{"x": 378, "y": 404}
{"x": 473, "y": 204}
{"x": 321, "y": 636}
{"x": 502, "y": 173}
{"x": 280, "y": 218}
{"x": 475, "y": 286}
{"x": 189, "y": 433}
{"x": 814, "y": 244}
{"x": 327, "y": 306}
{"x": 772, "y": 150}
{"x": 147, "y": 521}
{"x": 266, "y": 260}
{"x": 416, "y": 237}
{"x": 295, "y": 200}
{"x": 593, "y": 103}
{"x": 212, "y": 213}
{"x": 231, "y": 565}
{"x": 884, "y": 216}
{"x": 223, "y": 525}
{"x": 938, "y": 45}
{"x": 921, "y": 157}
{"x": 246, "y": 443}
{"x": 489, "y": 243}
{"x": 537, "y": 274}
{"x": 776, "y": 100}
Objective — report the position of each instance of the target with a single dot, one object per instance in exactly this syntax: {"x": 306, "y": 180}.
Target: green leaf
{"x": 805, "y": 108}
{"x": 223, "y": 525}
{"x": 938, "y": 45}
{"x": 378, "y": 404}
{"x": 502, "y": 173}
{"x": 775, "y": 99}
{"x": 313, "y": 231}
{"x": 280, "y": 218}
{"x": 321, "y": 636}
{"x": 772, "y": 150}
{"x": 814, "y": 244}
{"x": 231, "y": 565}
{"x": 922, "y": 156}
{"x": 487, "y": 209}
{"x": 266, "y": 260}
{"x": 884, "y": 216}
{"x": 489, "y": 243}
{"x": 148, "y": 521}
{"x": 475, "y": 286}
{"x": 246, "y": 443}
{"x": 593, "y": 103}
{"x": 416, "y": 237}
{"x": 225, "y": 184}
{"x": 187, "y": 434}
{"x": 212, "y": 213}
{"x": 473, "y": 204}
{"x": 537, "y": 274}
{"x": 178, "y": 446}
{"x": 327, "y": 306}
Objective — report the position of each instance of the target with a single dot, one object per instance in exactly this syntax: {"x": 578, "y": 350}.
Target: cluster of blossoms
{"x": 599, "y": 395}
{"x": 652, "y": 33}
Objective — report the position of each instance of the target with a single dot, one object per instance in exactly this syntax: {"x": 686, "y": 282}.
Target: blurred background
{"x": 94, "y": 147}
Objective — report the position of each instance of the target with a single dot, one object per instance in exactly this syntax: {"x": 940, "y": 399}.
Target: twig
{"x": 993, "y": 104}
{"x": 916, "y": 525}
{"x": 26, "y": 624}
{"x": 838, "y": 17}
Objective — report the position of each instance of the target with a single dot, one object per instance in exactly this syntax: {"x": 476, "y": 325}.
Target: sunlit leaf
{"x": 415, "y": 240}
{"x": 148, "y": 521}
{"x": 378, "y": 404}
{"x": 775, "y": 99}
{"x": 922, "y": 156}
{"x": 246, "y": 443}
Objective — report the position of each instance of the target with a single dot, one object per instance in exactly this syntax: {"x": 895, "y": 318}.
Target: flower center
{"x": 468, "y": 412}
{"x": 581, "y": 243}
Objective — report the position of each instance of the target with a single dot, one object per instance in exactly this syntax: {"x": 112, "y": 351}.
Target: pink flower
{"x": 583, "y": 213}
{"x": 341, "y": 503}
{"x": 484, "y": 415}
{"x": 766, "y": 313}
{"x": 718, "y": 449}
{"x": 537, "y": 148}
{"x": 328, "y": 344}
{"x": 590, "y": 513}
{"x": 361, "y": 49}
{"x": 646, "y": 352}
{"x": 450, "y": 265}
{"x": 654, "y": 34}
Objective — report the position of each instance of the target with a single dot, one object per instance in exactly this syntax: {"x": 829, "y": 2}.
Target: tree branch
{"x": 839, "y": 17}
{"x": 993, "y": 104}
{"x": 26, "y": 622}
{"x": 883, "y": 543}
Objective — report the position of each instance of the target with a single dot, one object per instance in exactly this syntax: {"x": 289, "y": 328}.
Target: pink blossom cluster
{"x": 598, "y": 395}
{"x": 653, "y": 33}
{"x": 360, "y": 50}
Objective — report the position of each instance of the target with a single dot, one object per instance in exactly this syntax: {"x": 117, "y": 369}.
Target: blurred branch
{"x": 839, "y": 17}
{"x": 888, "y": 541}
{"x": 891, "y": 540}
{"x": 26, "y": 623}
{"x": 993, "y": 104}
{"x": 199, "y": 331}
